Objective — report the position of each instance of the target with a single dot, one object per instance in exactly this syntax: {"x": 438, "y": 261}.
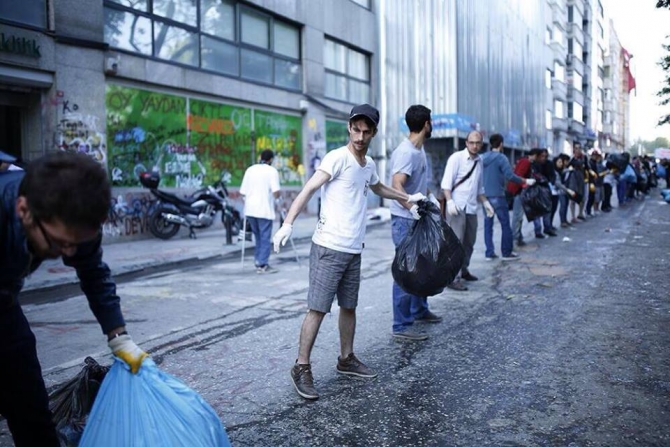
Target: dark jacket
{"x": 16, "y": 261}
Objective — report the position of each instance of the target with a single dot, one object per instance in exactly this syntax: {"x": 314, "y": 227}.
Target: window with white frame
{"x": 576, "y": 112}
{"x": 548, "y": 119}
{"x": 558, "y": 109}
{"x": 559, "y": 71}
{"x": 558, "y": 34}
{"x": 577, "y": 81}
{"x": 223, "y": 36}
{"x": 577, "y": 49}
{"x": 347, "y": 73}
{"x": 548, "y": 36}
{"x": 547, "y": 78}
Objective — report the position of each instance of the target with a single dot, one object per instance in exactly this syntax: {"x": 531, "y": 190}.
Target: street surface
{"x": 568, "y": 346}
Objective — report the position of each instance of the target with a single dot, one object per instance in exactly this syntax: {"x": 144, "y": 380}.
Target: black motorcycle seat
{"x": 168, "y": 197}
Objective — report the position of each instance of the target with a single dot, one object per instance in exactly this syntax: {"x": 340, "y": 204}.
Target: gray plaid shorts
{"x": 331, "y": 273}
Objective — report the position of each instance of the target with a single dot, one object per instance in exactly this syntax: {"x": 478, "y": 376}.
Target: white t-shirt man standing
{"x": 260, "y": 187}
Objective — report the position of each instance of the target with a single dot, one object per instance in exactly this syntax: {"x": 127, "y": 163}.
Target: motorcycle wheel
{"x": 161, "y": 228}
{"x": 234, "y": 226}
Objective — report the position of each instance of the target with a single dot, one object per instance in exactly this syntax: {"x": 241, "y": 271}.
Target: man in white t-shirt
{"x": 345, "y": 176}
{"x": 463, "y": 187}
{"x": 260, "y": 188}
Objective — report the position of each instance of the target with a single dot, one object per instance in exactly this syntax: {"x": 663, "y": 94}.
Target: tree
{"x": 664, "y": 93}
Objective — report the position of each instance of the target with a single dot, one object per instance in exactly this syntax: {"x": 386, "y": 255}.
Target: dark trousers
{"x": 23, "y": 397}
{"x": 607, "y": 188}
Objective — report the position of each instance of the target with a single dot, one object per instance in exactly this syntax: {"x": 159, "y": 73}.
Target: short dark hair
{"x": 496, "y": 140}
{"x": 416, "y": 117}
{"x": 70, "y": 187}
{"x": 267, "y": 155}
{"x": 535, "y": 151}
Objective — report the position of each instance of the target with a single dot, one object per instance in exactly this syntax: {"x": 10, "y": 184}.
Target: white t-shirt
{"x": 259, "y": 183}
{"x": 341, "y": 225}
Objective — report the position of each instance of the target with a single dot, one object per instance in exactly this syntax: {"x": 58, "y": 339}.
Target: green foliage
{"x": 664, "y": 93}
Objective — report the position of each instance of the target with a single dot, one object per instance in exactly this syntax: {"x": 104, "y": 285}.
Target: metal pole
{"x": 244, "y": 239}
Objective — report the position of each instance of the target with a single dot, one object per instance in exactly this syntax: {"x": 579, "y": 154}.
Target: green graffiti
{"x": 337, "y": 134}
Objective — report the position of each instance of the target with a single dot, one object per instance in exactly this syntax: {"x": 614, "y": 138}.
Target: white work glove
{"x": 414, "y": 198}
{"x": 282, "y": 235}
{"x": 488, "y": 208}
{"x": 124, "y": 348}
{"x": 433, "y": 199}
{"x": 452, "y": 209}
{"x": 530, "y": 181}
{"x": 415, "y": 212}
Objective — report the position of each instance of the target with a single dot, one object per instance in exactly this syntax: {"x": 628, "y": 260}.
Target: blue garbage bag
{"x": 149, "y": 409}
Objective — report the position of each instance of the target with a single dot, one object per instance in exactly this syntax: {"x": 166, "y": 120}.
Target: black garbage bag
{"x": 431, "y": 255}
{"x": 72, "y": 402}
{"x": 536, "y": 201}
{"x": 619, "y": 160}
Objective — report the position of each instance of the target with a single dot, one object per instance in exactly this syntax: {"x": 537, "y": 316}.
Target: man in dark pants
{"x": 55, "y": 208}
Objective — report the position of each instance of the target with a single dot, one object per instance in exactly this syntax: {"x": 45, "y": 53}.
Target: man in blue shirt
{"x": 53, "y": 209}
{"x": 497, "y": 172}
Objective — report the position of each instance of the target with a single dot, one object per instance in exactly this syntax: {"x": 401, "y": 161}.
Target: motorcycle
{"x": 195, "y": 211}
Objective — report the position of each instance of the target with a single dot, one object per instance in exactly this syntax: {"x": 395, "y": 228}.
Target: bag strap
{"x": 467, "y": 176}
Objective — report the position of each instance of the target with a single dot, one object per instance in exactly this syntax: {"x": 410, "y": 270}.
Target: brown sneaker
{"x": 354, "y": 367}
{"x": 301, "y": 376}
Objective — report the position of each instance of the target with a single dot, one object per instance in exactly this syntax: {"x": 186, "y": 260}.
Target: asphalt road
{"x": 568, "y": 346}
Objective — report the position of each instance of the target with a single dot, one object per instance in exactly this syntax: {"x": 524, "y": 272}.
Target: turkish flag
{"x": 626, "y": 64}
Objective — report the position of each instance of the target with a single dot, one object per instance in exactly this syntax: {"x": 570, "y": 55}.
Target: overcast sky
{"x": 642, "y": 28}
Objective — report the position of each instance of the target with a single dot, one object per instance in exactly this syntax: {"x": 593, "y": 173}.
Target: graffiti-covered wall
{"x": 191, "y": 141}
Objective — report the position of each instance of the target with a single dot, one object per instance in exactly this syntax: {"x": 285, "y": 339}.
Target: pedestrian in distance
{"x": 497, "y": 172}
{"x": 260, "y": 188}
{"x": 463, "y": 186}
{"x": 544, "y": 170}
{"x": 409, "y": 174}
{"x": 578, "y": 163}
{"x": 345, "y": 177}
{"x": 523, "y": 168}
{"x": 55, "y": 208}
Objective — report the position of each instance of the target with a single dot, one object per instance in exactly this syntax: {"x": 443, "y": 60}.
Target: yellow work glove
{"x": 124, "y": 348}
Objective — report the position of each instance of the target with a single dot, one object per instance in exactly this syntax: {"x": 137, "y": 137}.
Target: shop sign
{"x": 19, "y": 45}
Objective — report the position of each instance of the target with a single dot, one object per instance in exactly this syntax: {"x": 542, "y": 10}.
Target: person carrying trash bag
{"x": 409, "y": 174}
{"x": 55, "y": 208}
{"x": 431, "y": 255}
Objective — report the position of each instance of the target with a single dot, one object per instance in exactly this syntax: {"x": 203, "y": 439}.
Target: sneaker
{"x": 266, "y": 269}
{"x": 551, "y": 232}
{"x": 582, "y": 218}
{"x": 458, "y": 286}
{"x": 492, "y": 257}
{"x": 469, "y": 276}
{"x": 539, "y": 236}
{"x": 353, "y": 367}
{"x": 520, "y": 243}
{"x": 409, "y": 336}
{"x": 428, "y": 317}
{"x": 301, "y": 376}
{"x": 511, "y": 257}
{"x": 564, "y": 225}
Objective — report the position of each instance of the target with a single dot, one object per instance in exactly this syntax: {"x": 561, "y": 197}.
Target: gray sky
{"x": 642, "y": 28}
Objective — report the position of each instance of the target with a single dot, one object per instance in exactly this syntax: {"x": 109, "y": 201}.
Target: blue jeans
{"x": 499, "y": 204}
{"x": 406, "y": 307}
{"x": 563, "y": 200}
{"x": 517, "y": 218}
{"x": 542, "y": 221}
{"x": 262, "y": 230}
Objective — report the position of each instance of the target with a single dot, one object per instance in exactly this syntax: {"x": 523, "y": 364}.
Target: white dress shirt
{"x": 465, "y": 195}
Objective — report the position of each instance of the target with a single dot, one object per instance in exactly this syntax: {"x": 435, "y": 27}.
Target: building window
{"x": 577, "y": 112}
{"x": 559, "y": 72}
{"x": 547, "y": 78}
{"x": 347, "y": 73}
{"x": 548, "y": 119}
{"x": 33, "y": 13}
{"x": 558, "y": 109}
{"x": 216, "y": 35}
{"x": 577, "y": 81}
{"x": 548, "y": 36}
{"x": 558, "y": 34}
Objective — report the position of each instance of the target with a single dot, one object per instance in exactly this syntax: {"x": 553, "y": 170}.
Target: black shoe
{"x": 520, "y": 243}
{"x": 301, "y": 376}
{"x": 469, "y": 277}
{"x": 539, "y": 236}
{"x": 551, "y": 233}
{"x": 511, "y": 257}
{"x": 458, "y": 286}
{"x": 492, "y": 257}
{"x": 582, "y": 218}
{"x": 428, "y": 317}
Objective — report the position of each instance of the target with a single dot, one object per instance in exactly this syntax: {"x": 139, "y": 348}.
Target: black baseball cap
{"x": 6, "y": 158}
{"x": 367, "y": 111}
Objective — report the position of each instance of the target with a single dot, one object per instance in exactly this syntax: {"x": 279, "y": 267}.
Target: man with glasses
{"x": 463, "y": 187}
{"x": 54, "y": 208}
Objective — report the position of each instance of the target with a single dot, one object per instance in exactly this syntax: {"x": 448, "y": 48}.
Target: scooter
{"x": 196, "y": 211}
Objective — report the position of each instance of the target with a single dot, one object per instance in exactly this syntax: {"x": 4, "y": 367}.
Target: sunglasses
{"x": 54, "y": 244}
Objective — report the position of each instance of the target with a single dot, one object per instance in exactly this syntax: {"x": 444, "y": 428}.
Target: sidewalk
{"x": 134, "y": 256}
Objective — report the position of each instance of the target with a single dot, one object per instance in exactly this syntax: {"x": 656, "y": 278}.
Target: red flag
{"x": 626, "y": 64}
